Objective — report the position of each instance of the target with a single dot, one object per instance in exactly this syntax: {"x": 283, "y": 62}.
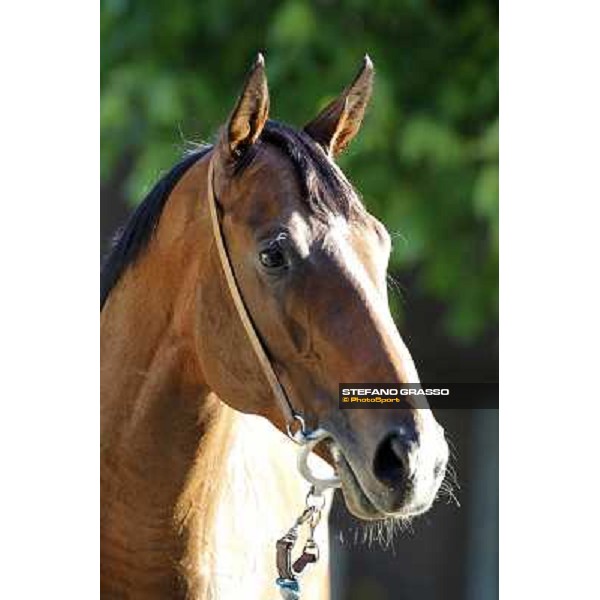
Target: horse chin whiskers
{"x": 381, "y": 532}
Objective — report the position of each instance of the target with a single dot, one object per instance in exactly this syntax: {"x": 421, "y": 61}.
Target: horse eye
{"x": 272, "y": 257}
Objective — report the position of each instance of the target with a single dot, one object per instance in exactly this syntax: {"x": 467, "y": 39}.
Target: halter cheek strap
{"x": 263, "y": 360}
{"x": 296, "y": 427}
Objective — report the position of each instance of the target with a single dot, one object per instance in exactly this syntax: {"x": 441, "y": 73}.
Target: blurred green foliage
{"x": 426, "y": 161}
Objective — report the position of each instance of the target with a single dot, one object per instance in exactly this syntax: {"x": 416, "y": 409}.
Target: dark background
{"x": 426, "y": 163}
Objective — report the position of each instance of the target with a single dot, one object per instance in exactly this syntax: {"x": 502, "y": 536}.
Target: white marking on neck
{"x": 262, "y": 495}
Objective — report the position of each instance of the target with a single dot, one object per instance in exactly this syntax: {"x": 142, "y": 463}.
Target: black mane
{"x": 324, "y": 189}
{"x": 133, "y": 238}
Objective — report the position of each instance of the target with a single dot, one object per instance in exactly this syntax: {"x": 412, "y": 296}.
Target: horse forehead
{"x": 327, "y": 236}
{"x": 352, "y": 240}
{"x": 271, "y": 169}
{"x": 270, "y": 189}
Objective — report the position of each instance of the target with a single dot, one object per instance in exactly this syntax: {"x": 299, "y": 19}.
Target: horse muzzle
{"x": 401, "y": 479}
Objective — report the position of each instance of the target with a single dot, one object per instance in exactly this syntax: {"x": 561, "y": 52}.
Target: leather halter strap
{"x": 265, "y": 364}
{"x": 307, "y": 439}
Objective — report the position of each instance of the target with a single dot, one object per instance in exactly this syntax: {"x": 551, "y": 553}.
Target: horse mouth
{"x": 356, "y": 499}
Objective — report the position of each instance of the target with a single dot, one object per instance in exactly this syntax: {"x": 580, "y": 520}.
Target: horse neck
{"x": 163, "y": 433}
{"x": 194, "y": 494}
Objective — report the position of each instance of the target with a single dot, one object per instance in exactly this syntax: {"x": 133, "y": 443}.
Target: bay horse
{"x": 197, "y": 478}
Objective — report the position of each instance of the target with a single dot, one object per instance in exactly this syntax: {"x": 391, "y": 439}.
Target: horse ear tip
{"x": 367, "y": 63}
{"x": 260, "y": 61}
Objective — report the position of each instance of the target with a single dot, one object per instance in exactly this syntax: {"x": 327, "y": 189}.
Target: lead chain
{"x": 290, "y": 571}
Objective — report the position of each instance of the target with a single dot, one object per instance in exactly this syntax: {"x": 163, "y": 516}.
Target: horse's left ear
{"x": 338, "y": 123}
{"x": 250, "y": 112}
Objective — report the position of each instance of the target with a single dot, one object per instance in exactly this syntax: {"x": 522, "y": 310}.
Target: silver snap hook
{"x": 319, "y": 484}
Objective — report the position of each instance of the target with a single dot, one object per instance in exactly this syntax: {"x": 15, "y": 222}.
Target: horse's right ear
{"x": 250, "y": 112}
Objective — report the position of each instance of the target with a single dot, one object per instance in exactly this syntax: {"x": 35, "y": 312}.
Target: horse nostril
{"x": 392, "y": 461}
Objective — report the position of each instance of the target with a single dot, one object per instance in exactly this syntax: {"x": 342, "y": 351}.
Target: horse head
{"x": 311, "y": 265}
